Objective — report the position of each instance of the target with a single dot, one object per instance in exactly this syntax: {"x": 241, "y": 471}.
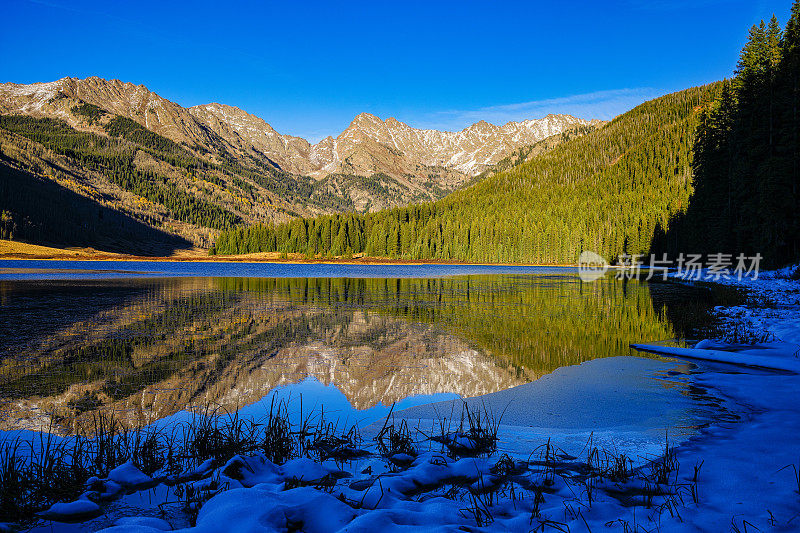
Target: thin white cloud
{"x": 604, "y": 105}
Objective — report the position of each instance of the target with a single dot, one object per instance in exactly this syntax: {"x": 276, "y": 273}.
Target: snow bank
{"x": 265, "y": 509}
{"x": 773, "y": 355}
{"x": 130, "y": 477}
{"x": 77, "y": 511}
{"x": 135, "y": 524}
{"x": 747, "y": 470}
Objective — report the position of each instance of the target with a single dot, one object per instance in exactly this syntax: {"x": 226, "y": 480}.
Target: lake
{"x": 152, "y": 340}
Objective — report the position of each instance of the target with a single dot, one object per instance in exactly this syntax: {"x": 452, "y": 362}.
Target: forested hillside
{"x": 132, "y": 173}
{"x": 747, "y": 160}
{"x": 605, "y": 191}
{"x": 116, "y": 161}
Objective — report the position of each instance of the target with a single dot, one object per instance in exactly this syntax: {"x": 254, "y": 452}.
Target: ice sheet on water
{"x": 629, "y": 401}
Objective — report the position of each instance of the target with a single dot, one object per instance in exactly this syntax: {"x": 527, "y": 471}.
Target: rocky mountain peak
{"x": 365, "y": 119}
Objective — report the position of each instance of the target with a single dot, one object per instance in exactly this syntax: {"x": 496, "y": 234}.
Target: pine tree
{"x": 747, "y": 145}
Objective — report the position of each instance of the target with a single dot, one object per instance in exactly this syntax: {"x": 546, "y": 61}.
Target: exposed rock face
{"x": 372, "y": 145}
{"x": 136, "y": 102}
{"x": 250, "y": 133}
{"x": 367, "y": 147}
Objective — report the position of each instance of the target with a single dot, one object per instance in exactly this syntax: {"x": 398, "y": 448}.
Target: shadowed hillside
{"x": 41, "y": 211}
{"x": 747, "y": 157}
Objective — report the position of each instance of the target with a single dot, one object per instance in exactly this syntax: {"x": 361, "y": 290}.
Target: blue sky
{"x": 308, "y": 68}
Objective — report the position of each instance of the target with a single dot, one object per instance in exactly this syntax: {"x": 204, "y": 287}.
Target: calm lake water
{"x": 151, "y": 340}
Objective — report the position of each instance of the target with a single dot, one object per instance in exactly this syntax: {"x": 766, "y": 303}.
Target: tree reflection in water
{"x": 149, "y": 348}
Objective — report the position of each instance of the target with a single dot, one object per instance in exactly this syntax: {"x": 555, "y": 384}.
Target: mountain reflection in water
{"x": 147, "y": 348}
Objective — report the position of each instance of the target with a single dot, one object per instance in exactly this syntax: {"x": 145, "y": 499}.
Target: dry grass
{"x": 36, "y": 474}
{"x": 21, "y": 248}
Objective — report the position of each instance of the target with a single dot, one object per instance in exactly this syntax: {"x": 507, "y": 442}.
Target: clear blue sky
{"x": 309, "y": 67}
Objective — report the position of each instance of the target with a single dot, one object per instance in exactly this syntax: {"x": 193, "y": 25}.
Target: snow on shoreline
{"x": 771, "y": 355}
{"x": 772, "y": 307}
{"x": 764, "y": 332}
{"x": 749, "y": 471}
{"x": 731, "y": 475}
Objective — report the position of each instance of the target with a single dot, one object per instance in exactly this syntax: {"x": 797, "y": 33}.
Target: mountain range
{"x": 368, "y": 146}
{"x": 189, "y": 172}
